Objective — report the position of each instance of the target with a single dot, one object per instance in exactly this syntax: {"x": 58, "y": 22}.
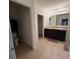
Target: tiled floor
{"x": 45, "y": 50}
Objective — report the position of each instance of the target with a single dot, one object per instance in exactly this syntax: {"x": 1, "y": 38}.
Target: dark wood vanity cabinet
{"x": 55, "y": 34}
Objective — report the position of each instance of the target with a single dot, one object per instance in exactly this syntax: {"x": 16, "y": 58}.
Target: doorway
{"x": 20, "y": 21}
{"x": 40, "y": 26}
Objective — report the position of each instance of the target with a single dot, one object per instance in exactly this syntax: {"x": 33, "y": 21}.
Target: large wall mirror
{"x": 59, "y": 20}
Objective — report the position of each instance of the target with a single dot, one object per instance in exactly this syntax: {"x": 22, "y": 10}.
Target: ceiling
{"x": 50, "y": 4}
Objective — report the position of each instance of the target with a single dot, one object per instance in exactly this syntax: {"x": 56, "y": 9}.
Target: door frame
{"x": 42, "y": 25}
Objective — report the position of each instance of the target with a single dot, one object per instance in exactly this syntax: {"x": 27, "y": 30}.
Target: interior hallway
{"x": 45, "y": 50}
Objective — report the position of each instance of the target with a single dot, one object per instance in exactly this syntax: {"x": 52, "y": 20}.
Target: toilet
{"x": 15, "y": 39}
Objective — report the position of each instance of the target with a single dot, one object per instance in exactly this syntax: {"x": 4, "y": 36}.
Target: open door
{"x": 11, "y": 46}
{"x": 40, "y": 26}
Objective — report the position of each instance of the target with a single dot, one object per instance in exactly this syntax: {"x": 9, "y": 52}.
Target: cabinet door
{"x": 60, "y": 35}
{"x": 55, "y": 34}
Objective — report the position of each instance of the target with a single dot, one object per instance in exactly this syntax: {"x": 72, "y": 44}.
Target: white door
{"x": 11, "y": 46}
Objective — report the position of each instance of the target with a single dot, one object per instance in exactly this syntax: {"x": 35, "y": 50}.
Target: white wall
{"x": 28, "y": 3}
{"x": 39, "y": 11}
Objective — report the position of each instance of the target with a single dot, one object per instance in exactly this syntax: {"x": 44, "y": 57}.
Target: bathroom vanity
{"x": 57, "y": 27}
{"x": 55, "y": 33}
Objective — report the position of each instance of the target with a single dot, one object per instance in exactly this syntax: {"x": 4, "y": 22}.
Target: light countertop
{"x": 58, "y": 28}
